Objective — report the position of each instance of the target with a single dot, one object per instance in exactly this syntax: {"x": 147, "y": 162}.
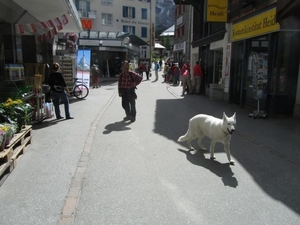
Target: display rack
{"x": 258, "y": 113}
{"x": 67, "y": 65}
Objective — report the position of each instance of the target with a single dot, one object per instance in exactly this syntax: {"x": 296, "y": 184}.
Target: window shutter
{"x": 124, "y": 11}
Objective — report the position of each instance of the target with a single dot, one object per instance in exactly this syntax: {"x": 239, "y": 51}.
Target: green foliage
{"x": 15, "y": 112}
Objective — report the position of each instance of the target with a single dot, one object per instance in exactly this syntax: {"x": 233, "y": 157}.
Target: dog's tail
{"x": 184, "y": 137}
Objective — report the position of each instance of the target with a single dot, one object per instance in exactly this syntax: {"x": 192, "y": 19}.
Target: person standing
{"x": 186, "y": 78}
{"x": 95, "y": 76}
{"x": 156, "y": 68}
{"x": 176, "y": 74}
{"x": 160, "y": 64}
{"x": 58, "y": 91}
{"x": 127, "y": 83}
{"x": 197, "y": 77}
{"x": 147, "y": 68}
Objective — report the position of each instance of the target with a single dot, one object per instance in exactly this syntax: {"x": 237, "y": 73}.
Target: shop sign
{"x": 86, "y": 24}
{"x": 216, "y": 11}
{"x": 255, "y": 26}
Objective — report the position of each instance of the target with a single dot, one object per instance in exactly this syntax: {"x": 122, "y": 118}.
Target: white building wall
{"x": 116, "y": 9}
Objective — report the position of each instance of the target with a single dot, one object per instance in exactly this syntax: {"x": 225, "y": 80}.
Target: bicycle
{"x": 79, "y": 90}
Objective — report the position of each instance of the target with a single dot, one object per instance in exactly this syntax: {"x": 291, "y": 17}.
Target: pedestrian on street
{"x": 160, "y": 65}
{"x": 156, "y": 68}
{"x": 186, "y": 78}
{"x": 128, "y": 81}
{"x": 58, "y": 91}
{"x": 95, "y": 72}
{"x": 197, "y": 77}
{"x": 175, "y": 74}
{"x": 147, "y": 68}
{"x": 165, "y": 72}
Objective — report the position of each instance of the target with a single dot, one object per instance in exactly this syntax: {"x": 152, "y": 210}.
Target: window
{"x": 128, "y": 12}
{"x": 106, "y": 2}
{"x": 144, "y": 14}
{"x": 129, "y": 29}
{"x": 83, "y": 7}
{"x": 106, "y": 19}
{"x": 144, "y": 32}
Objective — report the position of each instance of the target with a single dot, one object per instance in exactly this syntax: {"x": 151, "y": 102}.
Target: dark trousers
{"x": 56, "y": 98}
{"x": 128, "y": 105}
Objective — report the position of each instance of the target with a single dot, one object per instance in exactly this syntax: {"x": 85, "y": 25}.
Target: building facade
{"x": 249, "y": 59}
{"x": 117, "y": 30}
{"x": 182, "y": 33}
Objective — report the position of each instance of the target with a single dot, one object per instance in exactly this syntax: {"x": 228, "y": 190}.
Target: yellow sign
{"x": 216, "y": 11}
{"x": 255, "y": 26}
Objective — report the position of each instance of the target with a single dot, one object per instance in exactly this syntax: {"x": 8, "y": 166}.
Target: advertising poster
{"x": 83, "y": 66}
{"x": 260, "y": 74}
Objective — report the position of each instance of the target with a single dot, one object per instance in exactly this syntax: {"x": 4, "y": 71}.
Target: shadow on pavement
{"x": 222, "y": 170}
{"x": 266, "y": 148}
{"x": 117, "y": 126}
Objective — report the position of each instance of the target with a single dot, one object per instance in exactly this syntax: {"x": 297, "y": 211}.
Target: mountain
{"x": 165, "y": 15}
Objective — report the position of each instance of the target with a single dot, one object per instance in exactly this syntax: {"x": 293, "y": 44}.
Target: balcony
{"x": 85, "y": 14}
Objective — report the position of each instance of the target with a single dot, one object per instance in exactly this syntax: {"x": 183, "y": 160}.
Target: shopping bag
{"x": 49, "y": 111}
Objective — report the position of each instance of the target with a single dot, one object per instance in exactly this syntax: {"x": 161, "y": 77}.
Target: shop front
{"x": 28, "y": 36}
{"x": 264, "y": 66}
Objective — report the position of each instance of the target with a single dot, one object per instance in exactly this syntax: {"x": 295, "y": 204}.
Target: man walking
{"x": 128, "y": 81}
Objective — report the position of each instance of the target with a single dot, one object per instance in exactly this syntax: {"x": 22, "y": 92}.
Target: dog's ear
{"x": 234, "y": 116}
{"x": 224, "y": 116}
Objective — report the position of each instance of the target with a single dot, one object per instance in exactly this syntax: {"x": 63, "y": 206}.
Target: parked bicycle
{"x": 79, "y": 90}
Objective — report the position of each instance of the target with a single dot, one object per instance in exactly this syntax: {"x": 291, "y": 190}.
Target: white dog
{"x": 218, "y": 130}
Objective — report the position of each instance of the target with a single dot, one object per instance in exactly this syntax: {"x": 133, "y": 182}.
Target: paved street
{"x": 98, "y": 169}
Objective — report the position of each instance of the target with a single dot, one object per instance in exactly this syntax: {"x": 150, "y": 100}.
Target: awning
{"x": 209, "y": 39}
{"x": 157, "y": 45}
{"x": 135, "y": 40}
{"x": 44, "y": 10}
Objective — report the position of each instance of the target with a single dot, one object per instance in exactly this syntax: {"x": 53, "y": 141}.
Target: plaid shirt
{"x": 128, "y": 80}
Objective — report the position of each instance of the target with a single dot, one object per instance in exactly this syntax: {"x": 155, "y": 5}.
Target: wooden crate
{"x": 12, "y": 153}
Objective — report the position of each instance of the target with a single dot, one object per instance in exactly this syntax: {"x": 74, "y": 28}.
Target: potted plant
{"x": 15, "y": 112}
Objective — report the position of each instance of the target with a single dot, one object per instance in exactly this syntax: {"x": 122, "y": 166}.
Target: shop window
{"x": 257, "y": 76}
{"x": 218, "y": 62}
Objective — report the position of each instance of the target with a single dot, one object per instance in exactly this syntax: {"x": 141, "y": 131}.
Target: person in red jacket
{"x": 128, "y": 81}
{"x": 197, "y": 77}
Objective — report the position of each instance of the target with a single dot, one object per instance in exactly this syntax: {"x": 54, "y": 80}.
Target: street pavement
{"x": 98, "y": 169}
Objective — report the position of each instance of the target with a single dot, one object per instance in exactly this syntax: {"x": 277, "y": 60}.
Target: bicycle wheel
{"x": 80, "y": 91}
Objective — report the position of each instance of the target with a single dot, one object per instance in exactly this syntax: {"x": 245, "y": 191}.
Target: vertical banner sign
{"x": 216, "y": 11}
{"x": 84, "y": 66}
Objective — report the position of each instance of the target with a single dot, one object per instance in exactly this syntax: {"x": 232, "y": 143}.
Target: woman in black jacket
{"x": 58, "y": 90}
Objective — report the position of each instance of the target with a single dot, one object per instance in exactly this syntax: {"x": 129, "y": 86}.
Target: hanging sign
{"x": 216, "y": 11}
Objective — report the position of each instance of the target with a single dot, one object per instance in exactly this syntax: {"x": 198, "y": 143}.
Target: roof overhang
{"x": 135, "y": 40}
{"x": 286, "y": 9}
{"x": 209, "y": 39}
{"x": 44, "y": 10}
